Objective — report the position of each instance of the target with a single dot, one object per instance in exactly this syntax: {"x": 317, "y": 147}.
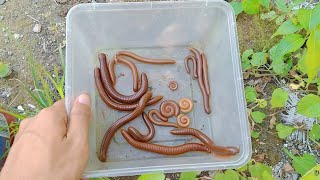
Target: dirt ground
{"x": 18, "y": 40}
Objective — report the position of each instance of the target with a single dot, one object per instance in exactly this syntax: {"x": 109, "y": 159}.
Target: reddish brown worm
{"x": 140, "y": 137}
{"x": 114, "y": 93}
{"x": 183, "y": 120}
{"x": 173, "y": 85}
{"x": 113, "y": 104}
{"x": 163, "y": 121}
{"x": 169, "y": 108}
{"x": 206, "y": 103}
{"x": 222, "y": 151}
{"x": 165, "y": 150}
{"x": 205, "y": 73}
{"x": 194, "y": 62}
{"x": 119, "y": 123}
{"x": 111, "y": 66}
{"x": 130, "y": 64}
{"x": 145, "y": 60}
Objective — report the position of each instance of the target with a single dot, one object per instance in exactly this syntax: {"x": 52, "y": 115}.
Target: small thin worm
{"x": 131, "y": 65}
{"x": 194, "y": 62}
{"x": 163, "y": 121}
{"x": 140, "y": 137}
{"x": 119, "y": 123}
{"x": 173, "y": 85}
{"x": 165, "y": 150}
{"x": 169, "y": 108}
{"x": 114, "y": 93}
{"x": 186, "y": 105}
{"x": 205, "y": 73}
{"x": 145, "y": 60}
{"x": 223, "y": 151}
{"x": 111, "y": 66}
{"x": 183, "y": 121}
{"x": 113, "y": 104}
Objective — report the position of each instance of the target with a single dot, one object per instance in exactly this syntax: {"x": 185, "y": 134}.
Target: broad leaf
{"x": 284, "y": 131}
{"x": 237, "y": 7}
{"x": 315, "y": 132}
{"x": 302, "y": 164}
{"x": 251, "y": 94}
{"x": 159, "y": 176}
{"x": 269, "y": 16}
{"x": 309, "y": 106}
{"x": 259, "y": 59}
{"x": 189, "y": 175}
{"x": 4, "y": 70}
{"x": 314, "y": 173}
{"x": 245, "y": 65}
{"x": 309, "y": 18}
{"x": 258, "y": 116}
{"x": 255, "y": 134}
{"x": 261, "y": 171}
{"x": 301, "y": 63}
{"x": 262, "y": 103}
{"x": 228, "y": 174}
{"x": 265, "y": 3}
{"x": 251, "y": 6}
{"x": 281, "y": 4}
{"x": 312, "y": 58}
{"x": 279, "y": 98}
{"x": 246, "y": 54}
{"x": 287, "y": 28}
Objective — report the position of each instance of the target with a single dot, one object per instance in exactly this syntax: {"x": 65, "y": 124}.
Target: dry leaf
{"x": 259, "y": 88}
{"x": 266, "y": 79}
{"x": 288, "y": 168}
{"x": 272, "y": 122}
{"x": 259, "y": 157}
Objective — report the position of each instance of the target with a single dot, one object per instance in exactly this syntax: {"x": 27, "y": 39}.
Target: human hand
{"x": 45, "y": 148}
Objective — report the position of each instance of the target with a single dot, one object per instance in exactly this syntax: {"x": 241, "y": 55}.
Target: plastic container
{"x": 160, "y": 30}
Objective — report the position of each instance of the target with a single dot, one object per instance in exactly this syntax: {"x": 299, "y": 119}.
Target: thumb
{"x": 80, "y": 116}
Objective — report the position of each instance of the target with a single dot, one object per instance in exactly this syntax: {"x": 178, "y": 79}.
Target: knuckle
{"x": 81, "y": 111}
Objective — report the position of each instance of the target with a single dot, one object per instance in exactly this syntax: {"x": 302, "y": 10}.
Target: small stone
{"x": 16, "y": 36}
{"x": 31, "y": 106}
{"x": 10, "y": 53}
{"x": 285, "y": 145}
{"x": 37, "y": 28}
{"x": 288, "y": 168}
{"x": 20, "y": 108}
{"x": 2, "y": 2}
{"x": 1, "y": 17}
{"x": 6, "y": 41}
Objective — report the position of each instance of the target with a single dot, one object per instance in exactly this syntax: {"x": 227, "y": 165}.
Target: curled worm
{"x": 145, "y": 60}
{"x": 186, "y": 105}
{"x": 173, "y": 85}
{"x": 165, "y": 150}
{"x": 205, "y": 73}
{"x": 119, "y": 123}
{"x": 113, "y": 104}
{"x": 194, "y": 62}
{"x": 221, "y": 151}
{"x": 111, "y": 66}
{"x": 169, "y": 108}
{"x": 164, "y": 120}
{"x": 137, "y": 135}
{"x": 110, "y": 89}
{"x": 183, "y": 121}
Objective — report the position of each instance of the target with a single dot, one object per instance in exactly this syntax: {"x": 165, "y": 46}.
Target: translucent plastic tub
{"x": 160, "y": 30}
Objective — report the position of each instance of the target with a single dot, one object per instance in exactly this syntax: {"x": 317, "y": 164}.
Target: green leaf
{"x": 269, "y": 16}
{"x": 245, "y": 65}
{"x": 259, "y": 59}
{"x": 312, "y": 58}
{"x": 251, "y": 94}
{"x": 246, "y": 54}
{"x": 262, "y": 103}
{"x": 315, "y": 132}
{"x": 258, "y": 116}
{"x": 287, "y": 28}
{"x": 301, "y": 63}
{"x": 4, "y": 70}
{"x": 309, "y": 106}
{"x": 255, "y": 134}
{"x": 309, "y": 18}
{"x": 237, "y": 7}
{"x": 313, "y": 174}
{"x": 189, "y": 175}
{"x": 302, "y": 164}
{"x": 260, "y": 171}
{"x": 159, "y": 176}
{"x": 265, "y": 3}
{"x": 280, "y": 19}
{"x": 279, "y": 98}
{"x": 281, "y": 4}
{"x": 251, "y": 6}
{"x": 284, "y": 131}
{"x": 227, "y": 175}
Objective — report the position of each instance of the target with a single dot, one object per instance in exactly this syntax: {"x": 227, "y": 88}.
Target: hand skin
{"x": 44, "y": 148}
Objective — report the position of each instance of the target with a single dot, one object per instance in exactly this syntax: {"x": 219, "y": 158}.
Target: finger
{"x": 80, "y": 116}
{"x": 60, "y": 108}
{"x": 22, "y": 127}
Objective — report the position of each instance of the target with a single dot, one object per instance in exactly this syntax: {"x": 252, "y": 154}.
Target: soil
{"x": 18, "y": 41}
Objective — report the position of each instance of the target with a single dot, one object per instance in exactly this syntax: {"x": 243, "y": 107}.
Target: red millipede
{"x": 140, "y": 137}
{"x": 164, "y": 120}
{"x": 205, "y": 73}
{"x": 112, "y": 73}
{"x": 165, "y": 150}
{"x": 222, "y": 151}
{"x": 194, "y": 62}
{"x": 145, "y": 60}
{"x": 169, "y": 108}
{"x": 113, "y": 104}
{"x": 110, "y": 89}
{"x": 119, "y": 123}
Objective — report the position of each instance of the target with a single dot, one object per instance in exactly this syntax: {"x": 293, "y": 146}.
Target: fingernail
{"x": 84, "y": 99}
